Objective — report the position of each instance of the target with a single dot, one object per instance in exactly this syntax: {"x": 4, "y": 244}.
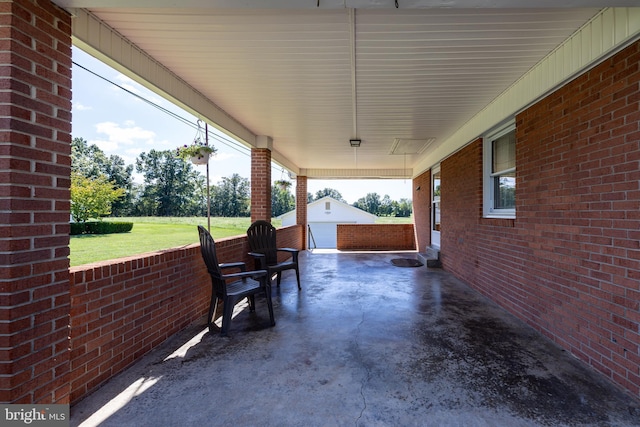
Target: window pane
{"x": 499, "y": 172}
{"x": 505, "y": 191}
{"x": 435, "y": 215}
{"x": 504, "y": 152}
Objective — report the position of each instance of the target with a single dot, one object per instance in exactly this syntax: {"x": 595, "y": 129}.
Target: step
{"x": 431, "y": 257}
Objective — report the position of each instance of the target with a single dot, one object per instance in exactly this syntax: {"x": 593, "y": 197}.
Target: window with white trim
{"x": 500, "y": 172}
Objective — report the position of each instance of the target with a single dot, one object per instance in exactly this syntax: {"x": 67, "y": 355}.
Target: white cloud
{"x": 129, "y": 84}
{"x": 160, "y": 145}
{"x": 135, "y": 87}
{"x": 117, "y": 135}
{"x": 133, "y": 152}
{"x": 130, "y": 155}
{"x": 106, "y": 146}
{"x": 79, "y": 107}
{"x": 221, "y": 157}
{"x": 215, "y": 179}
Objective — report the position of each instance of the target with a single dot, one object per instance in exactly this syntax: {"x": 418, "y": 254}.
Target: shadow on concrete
{"x": 363, "y": 343}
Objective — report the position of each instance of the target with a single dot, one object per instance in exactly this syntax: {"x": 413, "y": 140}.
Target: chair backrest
{"x": 262, "y": 239}
{"x": 208, "y": 250}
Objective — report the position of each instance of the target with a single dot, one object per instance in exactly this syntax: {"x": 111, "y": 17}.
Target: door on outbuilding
{"x": 325, "y": 235}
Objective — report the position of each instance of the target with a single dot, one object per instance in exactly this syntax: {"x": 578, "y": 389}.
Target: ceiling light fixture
{"x": 355, "y": 142}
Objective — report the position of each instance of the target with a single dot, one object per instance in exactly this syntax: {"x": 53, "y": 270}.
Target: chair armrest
{"x": 262, "y": 258}
{"x": 245, "y": 274}
{"x": 241, "y": 265}
{"x": 293, "y": 252}
{"x": 288, "y": 250}
{"x": 257, "y": 254}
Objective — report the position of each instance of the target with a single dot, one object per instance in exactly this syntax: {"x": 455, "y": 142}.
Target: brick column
{"x": 301, "y": 207}
{"x": 35, "y": 151}
{"x": 261, "y": 179}
{"x": 422, "y": 210}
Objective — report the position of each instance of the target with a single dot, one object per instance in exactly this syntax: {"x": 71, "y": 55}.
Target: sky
{"x": 121, "y": 123}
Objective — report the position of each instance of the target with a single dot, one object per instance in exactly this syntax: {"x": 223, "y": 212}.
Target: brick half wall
{"x": 122, "y": 309}
{"x": 376, "y": 237}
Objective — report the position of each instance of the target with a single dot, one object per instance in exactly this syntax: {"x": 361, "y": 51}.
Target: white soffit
{"x": 410, "y": 146}
{"x": 607, "y": 33}
{"x": 293, "y": 74}
{"x": 341, "y": 4}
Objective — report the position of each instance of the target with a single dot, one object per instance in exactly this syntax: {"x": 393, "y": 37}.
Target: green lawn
{"x": 155, "y": 233}
{"x": 394, "y": 220}
{"x": 150, "y": 234}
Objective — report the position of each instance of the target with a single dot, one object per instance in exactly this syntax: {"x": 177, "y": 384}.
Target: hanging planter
{"x": 282, "y": 184}
{"x": 198, "y": 152}
{"x": 202, "y": 158}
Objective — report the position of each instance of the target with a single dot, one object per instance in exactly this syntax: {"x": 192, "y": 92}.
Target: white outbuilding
{"x": 323, "y": 217}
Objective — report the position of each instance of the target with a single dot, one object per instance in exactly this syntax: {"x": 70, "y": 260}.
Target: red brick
{"x": 567, "y": 265}
{"x": 260, "y": 184}
{"x": 49, "y": 315}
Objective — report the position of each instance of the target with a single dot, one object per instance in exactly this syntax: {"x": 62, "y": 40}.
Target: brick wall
{"x": 35, "y": 148}
{"x": 260, "y": 184}
{"x": 380, "y": 237}
{"x": 290, "y": 237}
{"x": 122, "y": 309}
{"x": 301, "y": 206}
{"x": 569, "y": 264}
{"x": 462, "y": 216}
{"x": 422, "y": 210}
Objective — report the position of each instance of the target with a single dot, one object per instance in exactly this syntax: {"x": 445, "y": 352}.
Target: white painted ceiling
{"x": 312, "y": 78}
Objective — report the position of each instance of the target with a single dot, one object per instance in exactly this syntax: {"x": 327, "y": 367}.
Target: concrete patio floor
{"x": 364, "y": 343}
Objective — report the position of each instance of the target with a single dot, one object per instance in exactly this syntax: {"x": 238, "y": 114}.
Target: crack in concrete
{"x": 360, "y": 359}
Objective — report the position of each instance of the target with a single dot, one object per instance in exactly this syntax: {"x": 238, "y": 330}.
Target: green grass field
{"x": 150, "y": 234}
{"x": 155, "y": 233}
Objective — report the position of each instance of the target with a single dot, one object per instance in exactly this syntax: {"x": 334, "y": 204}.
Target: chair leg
{"x": 212, "y": 311}
{"x": 298, "y": 278}
{"x": 270, "y": 305}
{"x": 227, "y": 311}
{"x": 278, "y": 277}
{"x": 270, "y": 278}
{"x": 252, "y": 303}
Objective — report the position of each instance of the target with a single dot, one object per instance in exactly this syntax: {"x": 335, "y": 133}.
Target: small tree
{"x": 370, "y": 203}
{"x": 231, "y": 197}
{"x": 91, "y": 161}
{"x": 92, "y": 197}
{"x": 282, "y": 200}
{"x": 331, "y": 192}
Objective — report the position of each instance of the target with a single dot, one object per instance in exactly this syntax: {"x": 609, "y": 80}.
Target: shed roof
{"x": 319, "y": 205}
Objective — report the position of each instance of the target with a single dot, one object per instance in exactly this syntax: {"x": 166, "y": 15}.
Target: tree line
{"x": 372, "y": 203}
{"x": 103, "y": 185}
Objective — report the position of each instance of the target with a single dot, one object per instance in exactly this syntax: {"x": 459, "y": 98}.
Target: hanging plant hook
{"x": 198, "y": 138}
{"x": 199, "y": 148}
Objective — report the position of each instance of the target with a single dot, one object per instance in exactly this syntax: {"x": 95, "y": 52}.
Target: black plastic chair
{"x": 232, "y": 287}
{"x": 262, "y": 242}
